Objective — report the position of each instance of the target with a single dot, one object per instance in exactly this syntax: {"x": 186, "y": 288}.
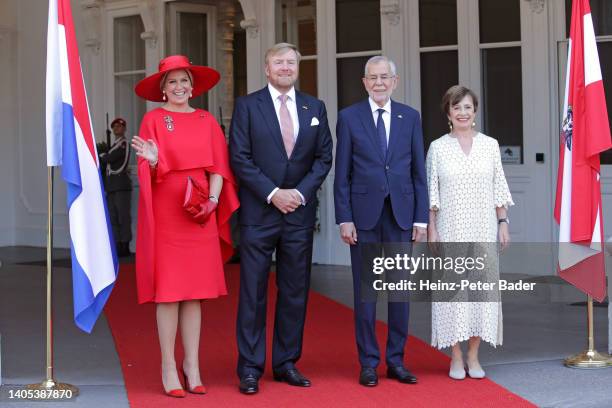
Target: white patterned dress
{"x": 466, "y": 189}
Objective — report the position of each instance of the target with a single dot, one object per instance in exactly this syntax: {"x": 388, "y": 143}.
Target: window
{"x": 357, "y": 39}
{"x": 437, "y": 22}
{"x": 601, "y": 11}
{"x": 491, "y": 65}
{"x": 298, "y": 26}
{"x": 501, "y": 104}
{"x": 439, "y": 64}
{"x": 191, "y": 26}
{"x": 129, "y": 68}
{"x": 499, "y": 21}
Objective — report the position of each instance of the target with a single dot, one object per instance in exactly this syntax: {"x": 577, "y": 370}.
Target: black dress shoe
{"x": 368, "y": 377}
{"x": 401, "y": 374}
{"x": 249, "y": 384}
{"x": 123, "y": 249}
{"x": 292, "y": 377}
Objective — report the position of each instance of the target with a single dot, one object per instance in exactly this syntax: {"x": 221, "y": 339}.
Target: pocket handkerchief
{"x": 314, "y": 122}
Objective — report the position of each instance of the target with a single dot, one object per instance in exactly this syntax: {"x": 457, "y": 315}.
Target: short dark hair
{"x": 454, "y": 95}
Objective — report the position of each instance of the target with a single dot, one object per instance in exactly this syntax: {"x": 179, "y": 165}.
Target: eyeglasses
{"x": 383, "y": 77}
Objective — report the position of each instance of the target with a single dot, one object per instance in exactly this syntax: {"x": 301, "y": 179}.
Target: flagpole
{"x": 49, "y": 383}
{"x": 589, "y": 358}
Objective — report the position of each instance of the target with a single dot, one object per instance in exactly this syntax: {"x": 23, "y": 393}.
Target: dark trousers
{"x": 386, "y": 230}
{"x": 119, "y": 212}
{"x": 293, "y": 245}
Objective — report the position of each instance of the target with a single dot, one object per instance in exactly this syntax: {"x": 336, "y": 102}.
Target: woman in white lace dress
{"x": 469, "y": 197}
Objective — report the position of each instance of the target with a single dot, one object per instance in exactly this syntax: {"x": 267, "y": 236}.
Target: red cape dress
{"x": 177, "y": 258}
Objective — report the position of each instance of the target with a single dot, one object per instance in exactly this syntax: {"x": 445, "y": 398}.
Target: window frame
{"x": 171, "y": 9}
{"x": 128, "y": 9}
{"x": 292, "y": 31}
{"x": 469, "y": 59}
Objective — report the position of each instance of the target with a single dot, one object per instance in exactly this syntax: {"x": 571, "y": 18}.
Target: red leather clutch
{"x": 196, "y": 201}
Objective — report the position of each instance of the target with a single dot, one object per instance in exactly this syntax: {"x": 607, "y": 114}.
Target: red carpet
{"x": 328, "y": 359}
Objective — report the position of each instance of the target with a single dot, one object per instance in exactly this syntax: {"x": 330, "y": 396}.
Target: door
{"x": 489, "y": 47}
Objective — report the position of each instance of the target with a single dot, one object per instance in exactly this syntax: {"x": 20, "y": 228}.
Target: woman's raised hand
{"x": 147, "y": 149}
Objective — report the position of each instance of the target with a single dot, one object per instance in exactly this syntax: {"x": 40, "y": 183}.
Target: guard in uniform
{"x": 119, "y": 187}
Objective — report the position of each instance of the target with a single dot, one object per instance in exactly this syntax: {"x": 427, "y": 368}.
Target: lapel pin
{"x": 400, "y": 116}
{"x": 304, "y": 107}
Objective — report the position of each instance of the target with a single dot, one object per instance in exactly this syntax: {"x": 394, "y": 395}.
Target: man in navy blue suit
{"x": 380, "y": 192}
{"x": 281, "y": 152}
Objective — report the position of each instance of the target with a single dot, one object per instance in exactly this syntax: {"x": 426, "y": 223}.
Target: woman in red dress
{"x": 179, "y": 257}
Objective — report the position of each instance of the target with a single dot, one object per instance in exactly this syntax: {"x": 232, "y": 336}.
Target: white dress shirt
{"x": 386, "y": 115}
{"x": 292, "y": 107}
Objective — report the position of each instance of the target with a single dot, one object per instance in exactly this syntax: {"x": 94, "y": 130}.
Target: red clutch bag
{"x": 196, "y": 201}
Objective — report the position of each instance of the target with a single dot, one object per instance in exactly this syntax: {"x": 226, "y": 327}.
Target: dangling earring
{"x": 164, "y": 97}
{"x": 473, "y": 124}
{"x": 191, "y": 94}
{"x": 450, "y": 126}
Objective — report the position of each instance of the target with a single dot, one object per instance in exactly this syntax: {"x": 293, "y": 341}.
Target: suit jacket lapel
{"x": 396, "y": 127}
{"x": 303, "y": 110}
{"x": 269, "y": 114}
{"x": 365, "y": 114}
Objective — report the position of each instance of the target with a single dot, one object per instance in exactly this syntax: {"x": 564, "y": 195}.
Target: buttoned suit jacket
{"x": 364, "y": 176}
{"x": 260, "y": 163}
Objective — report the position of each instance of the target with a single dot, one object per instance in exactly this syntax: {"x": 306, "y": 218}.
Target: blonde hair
{"x": 280, "y": 47}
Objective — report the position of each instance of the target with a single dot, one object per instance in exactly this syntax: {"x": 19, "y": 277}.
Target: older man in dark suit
{"x": 281, "y": 152}
{"x": 380, "y": 192}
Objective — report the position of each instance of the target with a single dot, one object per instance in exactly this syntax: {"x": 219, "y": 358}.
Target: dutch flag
{"x": 71, "y": 144}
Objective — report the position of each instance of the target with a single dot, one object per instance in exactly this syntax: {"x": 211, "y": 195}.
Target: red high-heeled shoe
{"x": 176, "y": 393}
{"x": 198, "y": 389}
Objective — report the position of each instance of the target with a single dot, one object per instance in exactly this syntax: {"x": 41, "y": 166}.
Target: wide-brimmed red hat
{"x": 204, "y": 78}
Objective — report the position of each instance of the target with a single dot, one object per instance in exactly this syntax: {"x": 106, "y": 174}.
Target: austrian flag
{"x": 585, "y": 133}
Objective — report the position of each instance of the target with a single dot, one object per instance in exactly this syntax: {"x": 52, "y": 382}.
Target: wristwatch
{"x": 506, "y": 220}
